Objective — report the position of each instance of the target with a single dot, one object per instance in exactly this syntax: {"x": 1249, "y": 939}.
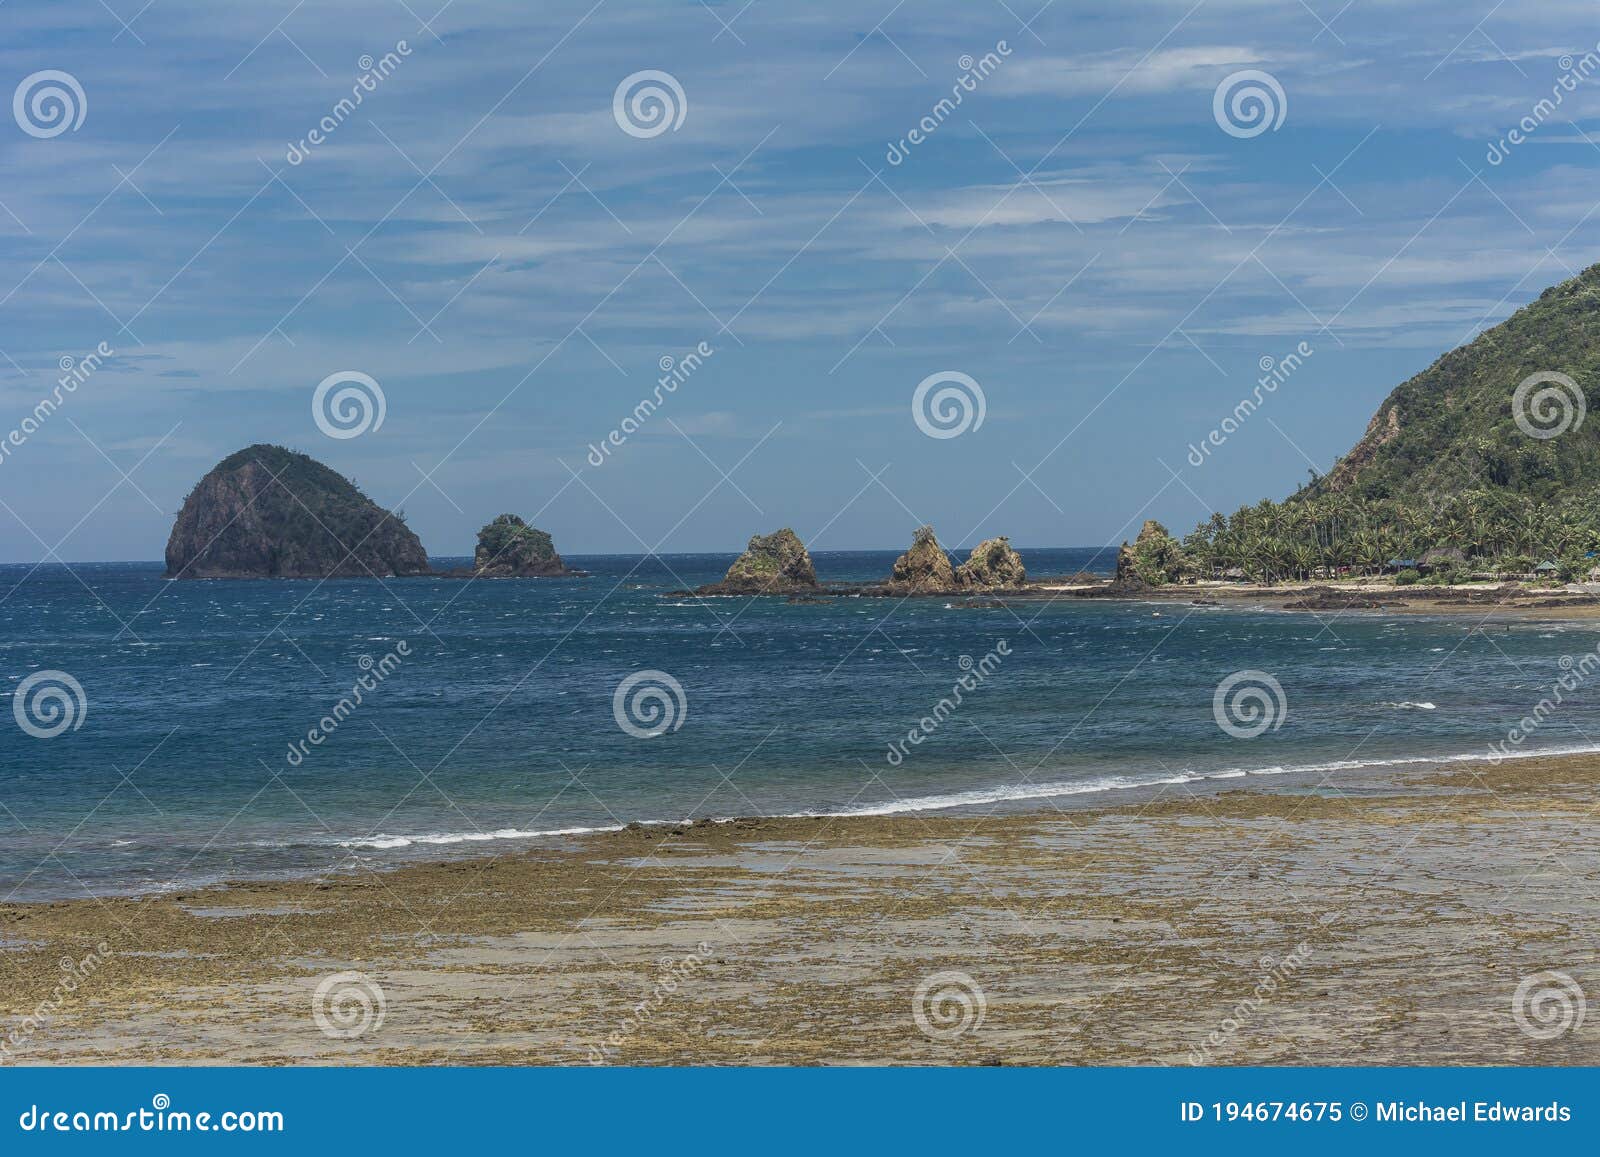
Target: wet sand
{"x": 1305, "y": 926}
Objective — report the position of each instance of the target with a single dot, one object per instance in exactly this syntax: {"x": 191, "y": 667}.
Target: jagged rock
{"x": 993, "y": 564}
{"x": 1153, "y": 559}
{"x": 268, "y": 512}
{"x": 925, "y": 568}
{"x": 509, "y": 548}
{"x": 775, "y": 564}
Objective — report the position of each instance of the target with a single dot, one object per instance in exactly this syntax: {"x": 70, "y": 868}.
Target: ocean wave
{"x": 383, "y": 842}
{"x": 979, "y": 797}
{"x": 1024, "y": 792}
{"x": 1407, "y": 705}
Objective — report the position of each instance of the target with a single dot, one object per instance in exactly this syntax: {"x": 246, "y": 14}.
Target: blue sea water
{"x": 495, "y": 724}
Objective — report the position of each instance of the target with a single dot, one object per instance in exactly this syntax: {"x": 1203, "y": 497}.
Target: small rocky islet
{"x": 779, "y": 564}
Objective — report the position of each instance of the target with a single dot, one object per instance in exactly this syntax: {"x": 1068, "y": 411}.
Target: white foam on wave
{"x": 383, "y": 842}
{"x": 1023, "y": 792}
{"x": 1407, "y": 705}
{"x": 978, "y": 797}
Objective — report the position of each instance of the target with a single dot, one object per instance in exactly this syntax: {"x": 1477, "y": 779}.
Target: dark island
{"x": 269, "y": 512}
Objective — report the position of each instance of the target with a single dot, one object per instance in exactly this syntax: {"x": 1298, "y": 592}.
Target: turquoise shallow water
{"x": 498, "y": 727}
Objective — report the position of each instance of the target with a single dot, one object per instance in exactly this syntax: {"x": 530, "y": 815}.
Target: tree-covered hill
{"x": 1454, "y": 427}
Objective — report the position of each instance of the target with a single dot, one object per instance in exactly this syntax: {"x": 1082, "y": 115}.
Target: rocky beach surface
{"x": 1279, "y": 928}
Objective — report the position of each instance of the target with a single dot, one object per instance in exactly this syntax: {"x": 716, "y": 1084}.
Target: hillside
{"x": 1453, "y": 427}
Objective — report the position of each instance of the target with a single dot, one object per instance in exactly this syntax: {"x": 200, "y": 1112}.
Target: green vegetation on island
{"x": 1481, "y": 466}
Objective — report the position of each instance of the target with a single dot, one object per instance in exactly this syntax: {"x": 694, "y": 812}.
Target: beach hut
{"x": 1396, "y": 565}
{"x": 1546, "y": 568}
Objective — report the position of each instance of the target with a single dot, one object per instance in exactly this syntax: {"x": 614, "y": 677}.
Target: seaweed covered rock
{"x": 773, "y": 564}
{"x": 509, "y": 548}
{"x": 268, "y": 512}
{"x": 925, "y": 568}
{"x": 993, "y": 564}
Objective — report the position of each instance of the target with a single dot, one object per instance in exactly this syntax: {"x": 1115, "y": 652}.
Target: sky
{"x": 1025, "y": 320}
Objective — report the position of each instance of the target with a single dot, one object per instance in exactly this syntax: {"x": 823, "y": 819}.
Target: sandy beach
{"x": 1304, "y": 926}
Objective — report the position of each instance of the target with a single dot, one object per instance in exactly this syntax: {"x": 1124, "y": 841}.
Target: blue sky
{"x": 1081, "y": 238}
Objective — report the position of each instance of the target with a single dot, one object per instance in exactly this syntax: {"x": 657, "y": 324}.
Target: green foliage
{"x": 1407, "y": 577}
{"x": 1155, "y": 558}
{"x": 1453, "y": 427}
{"x": 509, "y": 541}
{"x": 310, "y": 503}
{"x": 1445, "y": 466}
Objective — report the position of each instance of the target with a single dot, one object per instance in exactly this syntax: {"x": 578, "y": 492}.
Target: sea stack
{"x": 993, "y": 565}
{"x": 1154, "y": 558}
{"x": 924, "y": 569}
{"x": 509, "y": 548}
{"x": 268, "y": 512}
{"x": 773, "y": 564}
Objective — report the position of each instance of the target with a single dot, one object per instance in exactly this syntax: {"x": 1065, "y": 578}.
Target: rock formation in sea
{"x": 774, "y": 564}
{"x": 1152, "y": 559}
{"x": 994, "y": 564}
{"x": 509, "y": 548}
{"x": 268, "y": 512}
{"x": 924, "y": 569}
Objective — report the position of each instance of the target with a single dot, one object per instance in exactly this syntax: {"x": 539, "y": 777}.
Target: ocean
{"x": 218, "y": 734}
